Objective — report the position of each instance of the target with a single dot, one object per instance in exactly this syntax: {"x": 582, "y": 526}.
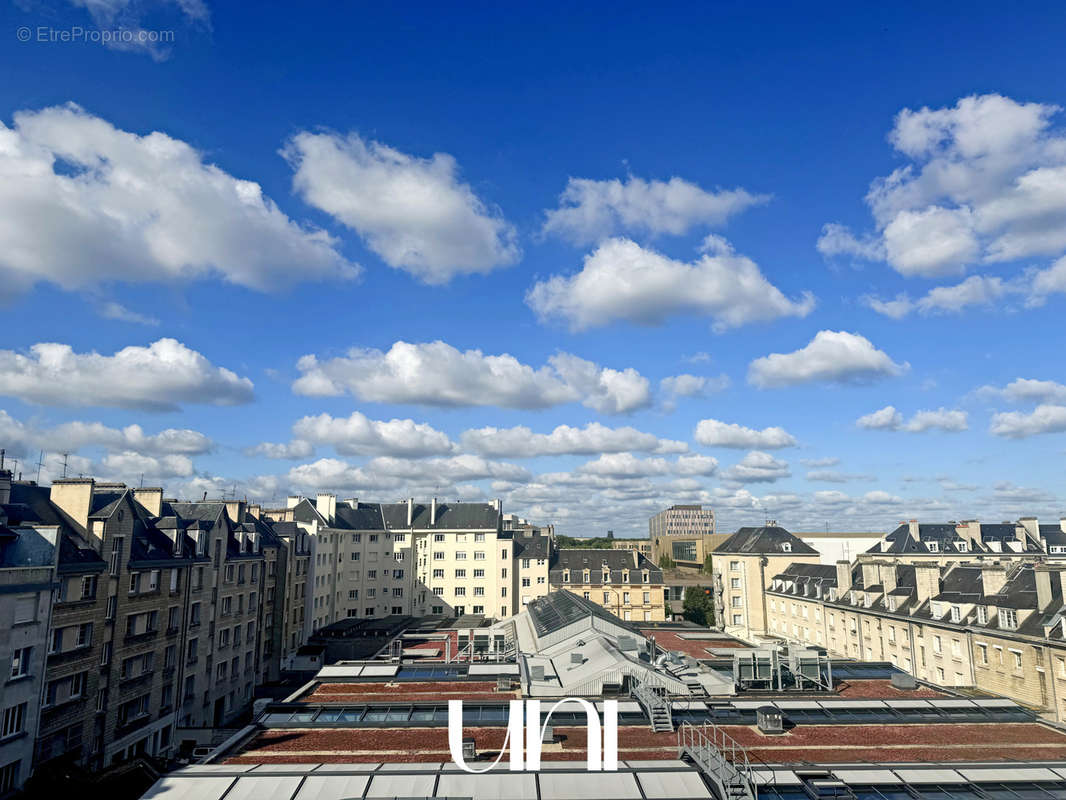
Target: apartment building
{"x": 377, "y": 559}
{"x": 744, "y": 565}
{"x": 685, "y": 534}
{"x": 290, "y": 569}
{"x": 622, "y": 581}
{"x": 532, "y": 564}
{"x": 27, "y": 568}
{"x": 156, "y": 608}
{"x": 993, "y": 623}
{"x": 642, "y": 546}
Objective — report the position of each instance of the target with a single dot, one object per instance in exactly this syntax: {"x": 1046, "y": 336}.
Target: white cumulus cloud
{"x": 413, "y": 212}
{"x": 160, "y": 377}
{"x": 983, "y": 183}
{"x": 590, "y": 210}
{"x": 623, "y": 281}
{"x": 1045, "y": 418}
{"x": 437, "y": 374}
{"x": 83, "y": 202}
{"x": 714, "y": 433}
{"x": 831, "y": 356}
{"x": 889, "y": 419}
{"x": 522, "y": 442}
{"x": 360, "y": 435}
{"x": 757, "y": 467}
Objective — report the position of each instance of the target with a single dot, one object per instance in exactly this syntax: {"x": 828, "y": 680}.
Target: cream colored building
{"x": 684, "y": 533}
{"x": 622, "y": 581}
{"x": 998, "y": 625}
{"x": 744, "y": 565}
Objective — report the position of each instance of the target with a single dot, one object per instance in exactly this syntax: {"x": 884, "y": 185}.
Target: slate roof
{"x": 576, "y": 560}
{"x": 769, "y": 539}
{"x": 536, "y": 546}
{"x": 359, "y": 517}
{"x": 450, "y": 516}
{"x": 948, "y": 539}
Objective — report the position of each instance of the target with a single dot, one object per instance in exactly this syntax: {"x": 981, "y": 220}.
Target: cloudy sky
{"x": 590, "y": 261}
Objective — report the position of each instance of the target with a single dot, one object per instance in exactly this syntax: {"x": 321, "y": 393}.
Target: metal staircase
{"x": 720, "y": 757}
{"x": 655, "y": 703}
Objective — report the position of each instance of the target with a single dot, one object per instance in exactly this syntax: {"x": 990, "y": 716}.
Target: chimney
{"x": 410, "y": 511}
{"x": 912, "y": 527}
{"x": 5, "y": 486}
{"x": 1062, "y": 524}
{"x": 970, "y": 530}
{"x": 993, "y": 577}
{"x": 292, "y": 501}
{"x": 73, "y": 496}
{"x": 235, "y": 510}
{"x": 889, "y": 576}
{"x": 497, "y": 504}
{"x": 326, "y": 505}
{"x": 843, "y": 578}
{"x": 1031, "y": 526}
{"x": 1044, "y": 591}
{"x": 433, "y": 512}
{"x": 927, "y": 581}
{"x": 870, "y": 574}
{"x": 255, "y": 510}
{"x": 151, "y": 498}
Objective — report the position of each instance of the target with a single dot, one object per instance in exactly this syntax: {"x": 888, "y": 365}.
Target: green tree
{"x": 665, "y": 562}
{"x": 707, "y": 565}
{"x": 699, "y": 605}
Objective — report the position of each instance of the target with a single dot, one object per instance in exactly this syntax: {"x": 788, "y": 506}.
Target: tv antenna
{"x": 40, "y": 463}
{"x": 65, "y": 457}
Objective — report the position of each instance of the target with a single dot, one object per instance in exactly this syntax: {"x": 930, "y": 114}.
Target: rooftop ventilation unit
{"x": 577, "y": 658}
{"x": 770, "y": 719}
{"x": 548, "y": 736}
{"x": 901, "y": 680}
{"x": 627, "y": 643}
{"x": 537, "y": 673}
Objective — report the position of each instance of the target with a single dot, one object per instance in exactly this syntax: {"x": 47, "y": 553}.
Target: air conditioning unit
{"x": 770, "y": 719}
{"x": 901, "y": 680}
{"x": 577, "y": 658}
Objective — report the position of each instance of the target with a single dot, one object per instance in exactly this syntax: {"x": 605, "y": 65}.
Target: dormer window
{"x": 982, "y": 615}
{"x": 933, "y": 547}
{"x": 961, "y": 546}
{"x": 956, "y": 614}
{"x": 832, "y": 594}
{"x": 566, "y": 576}
{"x": 786, "y": 547}
{"x": 1008, "y": 619}
{"x": 891, "y": 603}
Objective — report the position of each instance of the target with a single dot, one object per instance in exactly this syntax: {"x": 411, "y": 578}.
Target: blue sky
{"x": 389, "y": 251}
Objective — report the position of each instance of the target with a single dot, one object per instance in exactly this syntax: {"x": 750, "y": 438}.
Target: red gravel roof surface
{"x": 697, "y": 648}
{"x": 805, "y": 743}
{"x": 406, "y": 691}
{"x": 880, "y": 689}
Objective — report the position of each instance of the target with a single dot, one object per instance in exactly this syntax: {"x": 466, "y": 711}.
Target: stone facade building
{"x": 992, "y": 618}
{"x": 622, "y": 581}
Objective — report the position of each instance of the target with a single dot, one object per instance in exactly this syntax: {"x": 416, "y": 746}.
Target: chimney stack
{"x": 5, "y": 486}
{"x": 74, "y": 496}
{"x": 151, "y": 497}
{"x": 993, "y": 577}
{"x": 326, "y": 505}
{"x": 1031, "y": 526}
{"x": 843, "y": 578}
{"x": 410, "y": 511}
{"x": 927, "y": 581}
{"x": 912, "y": 528}
{"x": 433, "y": 512}
{"x": 1044, "y": 588}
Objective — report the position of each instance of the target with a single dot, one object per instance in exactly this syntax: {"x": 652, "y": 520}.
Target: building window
{"x": 1008, "y": 618}
{"x": 734, "y": 566}
{"x": 956, "y": 614}
{"x": 20, "y": 662}
{"x": 14, "y": 720}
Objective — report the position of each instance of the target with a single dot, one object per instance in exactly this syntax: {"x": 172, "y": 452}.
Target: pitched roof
{"x": 769, "y": 539}
{"x": 450, "y": 516}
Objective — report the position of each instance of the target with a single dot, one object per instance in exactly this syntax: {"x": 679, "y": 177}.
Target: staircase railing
{"x": 651, "y": 697}
{"x": 720, "y": 756}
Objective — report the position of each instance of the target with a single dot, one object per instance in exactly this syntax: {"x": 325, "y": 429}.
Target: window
{"x": 88, "y": 587}
{"x": 938, "y": 644}
{"x": 135, "y": 582}
{"x": 479, "y": 573}
{"x": 1017, "y": 659}
{"x": 606, "y": 597}
{"x": 153, "y": 580}
{"x": 956, "y": 648}
{"x": 9, "y": 774}
{"x": 734, "y": 566}
{"x": 479, "y": 537}
{"x": 14, "y": 720}
{"x": 25, "y": 609}
{"x": 438, "y": 573}
{"x": 786, "y": 547}
{"x": 460, "y": 555}
{"x": 479, "y": 555}
{"x": 956, "y": 614}
{"x": 20, "y": 662}
{"x": 933, "y": 547}
{"x": 116, "y": 555}
{"x": 982, "y": 615}
{"x": 982, "y": 653}
{"x": 437, "y": 610}
{"x": 460, "y": 591}
{"x": 734, "y": 583}
{"x": 438, "y": 555}
{"x": 460, "y": 573}
{"x": 1008, "y": 618}
{"x": 479, "y": 591}
{"x": 625, "y": 597}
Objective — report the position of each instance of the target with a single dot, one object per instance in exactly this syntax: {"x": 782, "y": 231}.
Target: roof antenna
{"x": 2, "y": 451}
{"x": 205, "y": 497}
{"x": 142, "y": 481}
{"x": 65, "y": 456}
{"x": 40, "y": 462}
